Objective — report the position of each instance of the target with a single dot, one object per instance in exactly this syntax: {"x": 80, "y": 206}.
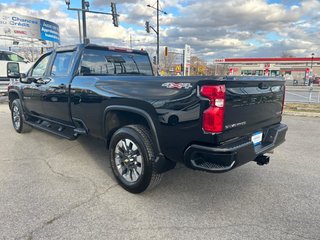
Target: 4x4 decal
{"x": 177, "y": 85}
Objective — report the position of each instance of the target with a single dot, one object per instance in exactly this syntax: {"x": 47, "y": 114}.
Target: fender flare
{"x": 22, "y": 103}
{"x": 138, "y": 111}
{"x": 16, "y": 92}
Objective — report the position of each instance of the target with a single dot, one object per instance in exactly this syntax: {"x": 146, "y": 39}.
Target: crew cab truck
{"x": 149, "y": 123}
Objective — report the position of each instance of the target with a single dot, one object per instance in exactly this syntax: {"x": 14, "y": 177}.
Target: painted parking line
{"x": 297, "y": 95}
{"x": 306, "y": 97}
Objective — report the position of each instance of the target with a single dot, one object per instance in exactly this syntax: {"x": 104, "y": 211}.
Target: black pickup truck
{"x": 149, "y": 123}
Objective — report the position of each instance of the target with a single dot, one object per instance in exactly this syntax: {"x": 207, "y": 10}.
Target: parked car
{"x": 295, "y": 82}
{"x": 149, "y": 123}
{"x": 316, "y": 80}
{"x": 5, "y": 58}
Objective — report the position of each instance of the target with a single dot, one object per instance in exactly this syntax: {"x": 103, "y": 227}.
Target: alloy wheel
{"x": 128, "y": 160}
{"x": 16, "y": 117}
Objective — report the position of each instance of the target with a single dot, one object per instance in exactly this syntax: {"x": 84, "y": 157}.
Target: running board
{"x": 56, "y": 129}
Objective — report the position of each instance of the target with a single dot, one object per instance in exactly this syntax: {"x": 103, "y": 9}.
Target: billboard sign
{"x": 13, "y": 25}
{"x": 49, "y": 31}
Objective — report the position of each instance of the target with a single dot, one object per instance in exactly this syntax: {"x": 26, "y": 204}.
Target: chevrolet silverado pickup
{"x": 149, "y": 123}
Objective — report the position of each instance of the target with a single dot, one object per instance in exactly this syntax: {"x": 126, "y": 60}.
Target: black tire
{"x": 138, "y": 137}
{"x": 17, "y": 117}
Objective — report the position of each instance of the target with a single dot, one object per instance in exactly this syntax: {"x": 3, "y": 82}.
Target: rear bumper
{"x": 233, "y": 154}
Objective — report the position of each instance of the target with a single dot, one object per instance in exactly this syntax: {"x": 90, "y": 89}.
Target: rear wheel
{"x": 132, "y": 157}
{"x": 17, "y": 119}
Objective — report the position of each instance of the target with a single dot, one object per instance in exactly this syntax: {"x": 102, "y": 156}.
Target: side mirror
{"x": 13, "y": 70}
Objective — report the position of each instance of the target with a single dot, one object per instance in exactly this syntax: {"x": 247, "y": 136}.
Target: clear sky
{"x": 214, "y": 29}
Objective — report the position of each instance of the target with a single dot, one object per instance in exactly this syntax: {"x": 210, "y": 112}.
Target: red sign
{"x": 20, "y": 32}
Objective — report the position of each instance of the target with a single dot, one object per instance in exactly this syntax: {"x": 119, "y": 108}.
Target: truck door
{"x": 55, "y": 90}
{"x": 32, "y": 91}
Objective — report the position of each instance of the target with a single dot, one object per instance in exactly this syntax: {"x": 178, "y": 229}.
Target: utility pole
{"x": 157, "y": 30}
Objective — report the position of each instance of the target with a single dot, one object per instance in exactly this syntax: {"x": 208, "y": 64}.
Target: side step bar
{"x": 56, "y": 129}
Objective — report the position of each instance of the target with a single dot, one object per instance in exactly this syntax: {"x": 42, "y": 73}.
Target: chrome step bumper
{"x": 233, "y": 154}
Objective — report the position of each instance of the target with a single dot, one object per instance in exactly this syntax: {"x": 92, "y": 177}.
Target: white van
{"x": 5, "y": 58}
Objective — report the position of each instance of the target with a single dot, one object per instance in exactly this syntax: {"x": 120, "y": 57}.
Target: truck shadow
{"x": 181, "y": 180}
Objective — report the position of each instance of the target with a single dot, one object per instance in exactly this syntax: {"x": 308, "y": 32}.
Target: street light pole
{"x": 311, "y": 77}
{"x": 312, "y": 56}
{"x": 79, "y": 24}
{"x": 157, "y": 30}
{"x": 84, "y": 22}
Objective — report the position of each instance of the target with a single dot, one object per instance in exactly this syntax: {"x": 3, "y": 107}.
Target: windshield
{"x": 103, "y": 62}
{"x": 9, "y": 56}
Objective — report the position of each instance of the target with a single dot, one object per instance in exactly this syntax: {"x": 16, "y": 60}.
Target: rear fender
{"x": 162, "y": 164}
{"x": 140, "y": 112}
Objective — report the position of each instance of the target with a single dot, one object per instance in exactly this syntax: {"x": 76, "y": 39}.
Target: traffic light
{"x": 147, "y": 27}
{"x": 154, "y": 60}
{"x": 114, "y": 15}
{"x": 166, "y": 51}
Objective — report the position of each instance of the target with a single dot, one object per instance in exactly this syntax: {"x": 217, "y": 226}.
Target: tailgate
{"x": 251, "y": 105}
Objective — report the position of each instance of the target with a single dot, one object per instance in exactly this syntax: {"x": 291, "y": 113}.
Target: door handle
{"x": 43, "y": 80}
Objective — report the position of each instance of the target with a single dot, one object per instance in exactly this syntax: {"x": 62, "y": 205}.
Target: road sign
{"x": 187, "y": 59}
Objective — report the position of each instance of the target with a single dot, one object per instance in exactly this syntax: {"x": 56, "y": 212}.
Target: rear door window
{"x": 103, "y": 62}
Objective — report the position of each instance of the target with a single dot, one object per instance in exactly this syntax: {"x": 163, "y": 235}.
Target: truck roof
{"x": 100, "y": 47}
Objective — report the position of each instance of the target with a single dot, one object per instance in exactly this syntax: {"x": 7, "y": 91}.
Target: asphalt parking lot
{"x": 302, "y": 96}
{"x": 51, "y": 188}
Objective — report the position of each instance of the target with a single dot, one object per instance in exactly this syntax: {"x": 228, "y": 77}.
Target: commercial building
{"x": 290, "y": 68}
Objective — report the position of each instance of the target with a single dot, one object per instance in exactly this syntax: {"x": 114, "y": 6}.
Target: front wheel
{"x": 132, "y": 157}
{"x": 17, "y": 118}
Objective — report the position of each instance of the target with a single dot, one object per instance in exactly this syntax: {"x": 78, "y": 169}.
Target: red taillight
{"x": 213, "y": 117}
{"x": 283, "y": 98}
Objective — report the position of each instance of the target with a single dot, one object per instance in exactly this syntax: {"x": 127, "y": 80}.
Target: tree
{"x": 168, "y": 63}
{"x": 286, "y": 54}
{"x": 198, "y": 66}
